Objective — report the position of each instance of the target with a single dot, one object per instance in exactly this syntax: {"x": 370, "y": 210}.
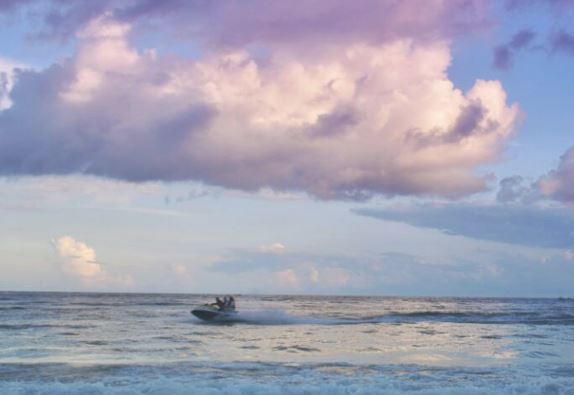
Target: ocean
{"x": 79, "y": 343}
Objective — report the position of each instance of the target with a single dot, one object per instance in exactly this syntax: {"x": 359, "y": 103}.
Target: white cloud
{"x": 275, "y": 248}
{"x": 313, "y": 275}
{"x": 366, "y": 119}
{"x": 79, "y": 260}
{"x": 8, "y": 69}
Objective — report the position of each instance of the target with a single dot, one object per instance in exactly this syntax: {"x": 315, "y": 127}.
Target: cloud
{"x": 503, "y": 54}
{"x": 270, "y": 259}
{"x": 194, "y": 193}
{"x": 226, "y": 23}
{"x": 179, "y": 269}
{"x": 184, "y": 274}
{"x": 8, "y": 69}
{"x": 290, "y": 269}
{"x": 558, "y": 184}
{"x": 237, "y": 24}
{"x": 9, "y": 5}
{"x": 365, "y": 119}
{"x": 79, "y": 260}
{"x": 528, "y": 226}
{"x": 493, "y": 274}
{"x": 557, "y": 38}
{"x": 556, "y": 4}
{"x": 515, "y": 190}
{"x": 481, "y": 272}
{"x": 562, "y": 41}
{"x": 275, "y": 248}
{"x": 31, "y": 192}
{"x": 313, "y": 275}
{"x": 303, "y": 277}
{"x": 287, "y": 278}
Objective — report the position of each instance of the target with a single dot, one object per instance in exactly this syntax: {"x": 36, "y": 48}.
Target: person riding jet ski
{"x": 228, "y": 303}
{"x": 231, "y": 303}
{"x": 220, "y": 303}
{"x": 221, "y": 310}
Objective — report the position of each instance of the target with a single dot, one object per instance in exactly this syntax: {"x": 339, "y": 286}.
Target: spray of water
{"x": 281, "y": 317}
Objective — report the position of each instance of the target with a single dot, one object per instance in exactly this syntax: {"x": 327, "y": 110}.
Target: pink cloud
{"x": 287, "y": 278}
{"x": 238, "y": 23}
{"x": 233, "y": 24}
{"x": 369, "y": 118}
{"x": 559, "y": 183}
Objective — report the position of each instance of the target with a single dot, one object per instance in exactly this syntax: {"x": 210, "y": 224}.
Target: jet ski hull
{"x": 208, "y": 313}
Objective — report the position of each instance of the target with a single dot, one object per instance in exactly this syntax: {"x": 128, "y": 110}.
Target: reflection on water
{"x": 490, "y": 343}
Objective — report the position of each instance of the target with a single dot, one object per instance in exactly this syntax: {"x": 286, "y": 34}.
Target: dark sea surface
{"x": 75, "y": 343}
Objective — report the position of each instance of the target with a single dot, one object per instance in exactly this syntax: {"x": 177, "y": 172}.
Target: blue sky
{"x": 246, "y": 148}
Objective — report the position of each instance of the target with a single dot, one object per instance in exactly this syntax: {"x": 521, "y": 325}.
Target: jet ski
{"x": 211, "y": 312}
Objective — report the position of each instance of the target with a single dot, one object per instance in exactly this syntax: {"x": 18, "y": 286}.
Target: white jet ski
{"x": 211, "y": 312}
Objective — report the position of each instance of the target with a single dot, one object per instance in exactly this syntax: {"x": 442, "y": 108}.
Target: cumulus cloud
{"x": 365, "y": 119}
{"x": 79, "y": 260}
{"x": 558, "y": 184}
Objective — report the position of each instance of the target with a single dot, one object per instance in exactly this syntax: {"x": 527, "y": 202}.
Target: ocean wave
{"x": 240, "y": 379}
{"x": 18, "y": 327}
{"x": 476, "y": 317}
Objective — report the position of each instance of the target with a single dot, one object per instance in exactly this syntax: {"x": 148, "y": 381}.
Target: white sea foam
{"x": 293, "y": 385}
{"x": 281, "y": 317}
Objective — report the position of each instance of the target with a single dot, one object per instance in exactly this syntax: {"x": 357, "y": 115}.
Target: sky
{"x": 374, "y": 147}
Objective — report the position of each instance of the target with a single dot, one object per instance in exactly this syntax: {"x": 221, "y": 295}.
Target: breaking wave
{"x": 279, "y": 379}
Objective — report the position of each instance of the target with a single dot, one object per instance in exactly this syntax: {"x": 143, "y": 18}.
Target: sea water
{"x": 76, "y": 343}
